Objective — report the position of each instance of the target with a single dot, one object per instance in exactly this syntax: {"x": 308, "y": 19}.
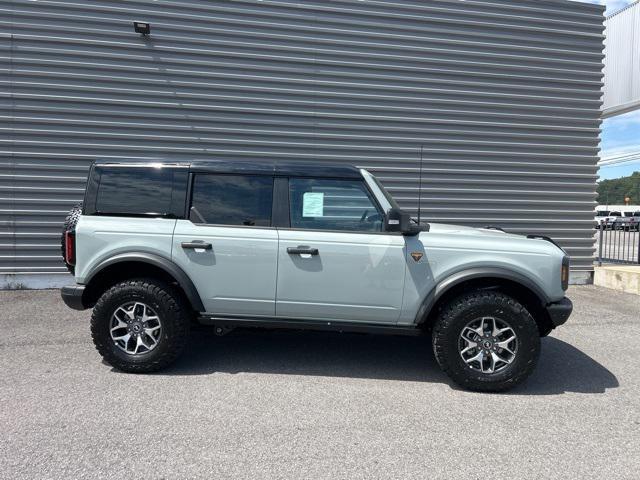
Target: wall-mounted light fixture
{"x": 143, "y": 28}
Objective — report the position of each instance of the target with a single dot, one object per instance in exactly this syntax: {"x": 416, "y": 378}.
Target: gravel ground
{"x": 315, "y": 405}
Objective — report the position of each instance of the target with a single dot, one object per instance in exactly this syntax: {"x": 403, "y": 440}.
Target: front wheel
{"x": 486, "y": 341}
{"x": 140, "y": 325}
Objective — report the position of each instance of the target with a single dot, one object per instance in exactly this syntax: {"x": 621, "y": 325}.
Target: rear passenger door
{"x": 227, "y": 245}
{"x": 335, "y": 261}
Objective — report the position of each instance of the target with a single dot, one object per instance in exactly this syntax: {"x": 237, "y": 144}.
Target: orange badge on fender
{"x": 417, "y": 256}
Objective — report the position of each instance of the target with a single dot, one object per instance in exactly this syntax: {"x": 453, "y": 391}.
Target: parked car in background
{"x": 623, "y": 217}
{"x": 634, "y": 221}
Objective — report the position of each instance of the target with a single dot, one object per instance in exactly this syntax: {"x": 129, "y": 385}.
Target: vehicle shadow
{"x": 562, "y": 367}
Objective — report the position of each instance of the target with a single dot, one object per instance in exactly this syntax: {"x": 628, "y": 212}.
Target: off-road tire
{"x": 69, "y": 225}
{"x": 454, "y": 317}
{"x": 165, "y": 301}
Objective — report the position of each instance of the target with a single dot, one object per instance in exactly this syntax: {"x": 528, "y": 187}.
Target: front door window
{"x": 328, "y": 204}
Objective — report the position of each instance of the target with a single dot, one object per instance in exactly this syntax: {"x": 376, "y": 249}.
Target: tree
{"x": 614, "y": 191}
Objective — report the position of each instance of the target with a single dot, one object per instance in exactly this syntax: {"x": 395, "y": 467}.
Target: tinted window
{"x": 615, "y": 214}
{"x": 232, "y": 200}
{"x": 332, "y": 205}
{"x": 135, "y": 190}
{"x": 602, "y": 213}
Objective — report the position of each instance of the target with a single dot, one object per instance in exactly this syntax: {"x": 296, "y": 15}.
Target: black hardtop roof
{"x": 284, "y": 168}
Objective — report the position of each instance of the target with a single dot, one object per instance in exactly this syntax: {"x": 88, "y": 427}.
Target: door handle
{"x": 203, "y": 245}
{"x": 302, "y": 251}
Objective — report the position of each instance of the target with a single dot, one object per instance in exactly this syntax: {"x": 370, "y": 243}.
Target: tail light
{"x": 70, "y": 248}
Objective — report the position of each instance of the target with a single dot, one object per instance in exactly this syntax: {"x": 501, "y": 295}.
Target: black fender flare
{"x": 163, "y": 263}
{"x": 473, "y": 273}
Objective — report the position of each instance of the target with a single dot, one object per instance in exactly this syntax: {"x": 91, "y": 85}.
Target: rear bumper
{"x": 559, "y": 312}
{"x": 72, "y": 296}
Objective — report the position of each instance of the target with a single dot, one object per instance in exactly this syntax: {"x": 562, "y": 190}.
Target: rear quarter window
{"x": 146, "y": 191}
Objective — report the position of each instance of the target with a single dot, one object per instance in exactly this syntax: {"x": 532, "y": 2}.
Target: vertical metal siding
{"x": 503, "y": 94}
{"x": 622, "y": 62}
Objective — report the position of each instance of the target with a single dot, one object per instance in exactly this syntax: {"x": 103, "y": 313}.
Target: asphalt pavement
{"x": 254, "y": 405}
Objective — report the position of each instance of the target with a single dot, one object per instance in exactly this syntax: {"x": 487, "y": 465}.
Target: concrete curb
{"x": 623, "y": 278}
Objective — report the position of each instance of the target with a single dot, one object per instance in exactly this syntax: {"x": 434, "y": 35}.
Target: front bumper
{"x": 72, "y": 296}
{"x": 559, "y": 312}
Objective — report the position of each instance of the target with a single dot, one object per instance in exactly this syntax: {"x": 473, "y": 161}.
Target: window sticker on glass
{"x": 313, "y": 204}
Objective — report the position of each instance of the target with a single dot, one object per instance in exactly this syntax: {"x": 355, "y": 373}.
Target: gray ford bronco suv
{"x": 157, "y": 248}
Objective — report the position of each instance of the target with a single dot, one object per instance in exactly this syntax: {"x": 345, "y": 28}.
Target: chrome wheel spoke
{"x": 122, "y": 338}
{"x": 125, "y": 341}
{"x": 139, "y": 310}
{"x": 505, "y": 344}
{"x": 480, "y": 329}
{"x": 150, "y": 330}
{"x": 502, "y": 359}
{"x": 469, "y": 334}
{"x": 119, "y": 325}
{"x": 153, "y": 340}
{"x": 470, "y": 346}
{"x": 476, "y": 358}
{"x": 141, "y": 343}
{"x": 123, "y": 315}
{"x": 494, "y": 327}
{"x": 502, "y": 331}
{"x": 493, "y": 360}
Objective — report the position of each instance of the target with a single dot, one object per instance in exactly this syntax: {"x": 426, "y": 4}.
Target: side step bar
{"x": 228, "y": 323}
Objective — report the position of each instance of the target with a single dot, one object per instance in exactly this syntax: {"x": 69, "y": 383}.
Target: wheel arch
{"x": 138, "y": 264}
{"x": 520, "y": 287}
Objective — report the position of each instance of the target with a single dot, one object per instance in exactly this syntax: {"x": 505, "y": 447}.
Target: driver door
{"x": 335, "y": 263}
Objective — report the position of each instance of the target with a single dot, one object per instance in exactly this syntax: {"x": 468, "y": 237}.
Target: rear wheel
{"x": 140, "y": 325}
{"x": 486, "y": 341}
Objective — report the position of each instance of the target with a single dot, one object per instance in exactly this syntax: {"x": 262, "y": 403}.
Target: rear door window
{"x": 232, "y": 200}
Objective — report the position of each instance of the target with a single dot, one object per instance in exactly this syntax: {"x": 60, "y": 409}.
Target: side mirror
{"x": 398, "y": 221}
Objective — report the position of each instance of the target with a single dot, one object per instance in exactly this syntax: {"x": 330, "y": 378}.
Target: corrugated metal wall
{"x": 622, "y": 62}
{"x": 503, "y": 94}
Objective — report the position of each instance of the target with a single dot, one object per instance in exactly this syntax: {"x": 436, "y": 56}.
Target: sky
{"x": 620, "y": 134}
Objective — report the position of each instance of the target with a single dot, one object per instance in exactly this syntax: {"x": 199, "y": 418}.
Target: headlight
{"x": 564, "y": 274}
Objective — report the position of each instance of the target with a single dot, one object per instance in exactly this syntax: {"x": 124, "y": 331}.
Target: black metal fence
{"x": 618, "y": 245}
